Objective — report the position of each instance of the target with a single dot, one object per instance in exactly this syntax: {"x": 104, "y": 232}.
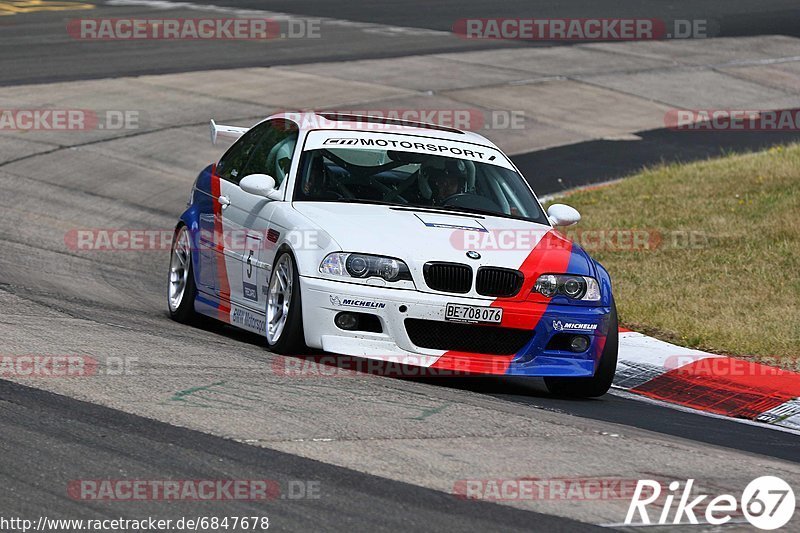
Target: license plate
{"x": 473, "y": 314}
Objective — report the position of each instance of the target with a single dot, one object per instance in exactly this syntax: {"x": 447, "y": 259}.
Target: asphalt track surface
{"x": 646, "y": 415}
{"x": 52, "y": 298}
{"x": 50, "y": 440}
{"x": 566, "y": 167}
{"x": 733, "y": 18}
{"x": 35, "y": 48}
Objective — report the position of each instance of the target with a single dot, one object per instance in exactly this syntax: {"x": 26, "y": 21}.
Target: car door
{"x": 216, "y": 241}
{"x": 248, "y": 216}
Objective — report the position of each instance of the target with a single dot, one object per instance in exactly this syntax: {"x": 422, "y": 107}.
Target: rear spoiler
{"x": 225, "y": 131}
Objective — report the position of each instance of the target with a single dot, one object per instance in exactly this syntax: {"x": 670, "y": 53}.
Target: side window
{"x": 231, "y": 166}
{"x": 272, "y": 154}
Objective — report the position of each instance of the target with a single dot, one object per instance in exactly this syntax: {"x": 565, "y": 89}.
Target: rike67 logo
{"x": 767, "y": 502}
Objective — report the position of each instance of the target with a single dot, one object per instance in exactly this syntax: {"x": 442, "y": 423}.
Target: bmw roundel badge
{"x": 472, "y": 254}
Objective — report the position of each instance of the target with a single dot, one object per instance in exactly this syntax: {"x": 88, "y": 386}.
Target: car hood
{"x": 417, "y": 235}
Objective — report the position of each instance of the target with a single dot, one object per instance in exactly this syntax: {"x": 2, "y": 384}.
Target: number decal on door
{"x": 249, "y": 274}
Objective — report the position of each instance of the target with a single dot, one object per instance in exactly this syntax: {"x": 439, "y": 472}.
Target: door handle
{"x": 224, "y": 201}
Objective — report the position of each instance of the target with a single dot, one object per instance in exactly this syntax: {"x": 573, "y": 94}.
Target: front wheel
{"x": 598, "y": 384}
{"x": 284, "y": 308}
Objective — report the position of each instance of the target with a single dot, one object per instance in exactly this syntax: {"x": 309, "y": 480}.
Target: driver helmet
{"x": 445, "y": 183}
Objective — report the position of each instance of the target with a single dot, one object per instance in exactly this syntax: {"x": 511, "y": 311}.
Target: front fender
{"x": 198, "y": 203}
{"x": 604, "y": 279}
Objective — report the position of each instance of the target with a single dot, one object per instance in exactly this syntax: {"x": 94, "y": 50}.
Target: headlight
{"x": 364, "y": 266}
{"x": 574, "y": 287}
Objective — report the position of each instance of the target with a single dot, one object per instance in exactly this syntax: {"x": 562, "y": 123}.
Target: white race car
{"x": 385, "y": 239}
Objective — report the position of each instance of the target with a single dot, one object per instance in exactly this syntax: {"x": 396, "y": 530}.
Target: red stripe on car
{"x": 224, "y": 307}
{"x": 551, "y": 255}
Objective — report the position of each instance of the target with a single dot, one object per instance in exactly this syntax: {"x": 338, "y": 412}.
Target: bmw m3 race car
{"x": 392, "y": 240}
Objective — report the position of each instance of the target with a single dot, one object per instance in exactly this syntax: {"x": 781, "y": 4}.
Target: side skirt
{"x": 231, "y": 313}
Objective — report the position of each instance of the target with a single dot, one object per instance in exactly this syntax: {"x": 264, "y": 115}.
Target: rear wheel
{"x": 181, "y": 291}
{"x": 598, "y": 384}
{"x": 284, "y": 308}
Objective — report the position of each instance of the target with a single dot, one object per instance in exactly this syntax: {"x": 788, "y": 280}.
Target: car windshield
{"x": 411, "y": 179}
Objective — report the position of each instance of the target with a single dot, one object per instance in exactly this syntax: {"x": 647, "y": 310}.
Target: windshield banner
{"x": 362, "y": 140}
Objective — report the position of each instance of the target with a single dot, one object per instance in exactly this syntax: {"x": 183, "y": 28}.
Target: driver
{"x": 443, "y": 184}
{"x": 316, "y": 180}
{"x": 318, "y": 183}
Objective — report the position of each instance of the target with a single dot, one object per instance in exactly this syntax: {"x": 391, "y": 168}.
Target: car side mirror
{"x": 260, "y": 185}
{"x": 562, "y": 215}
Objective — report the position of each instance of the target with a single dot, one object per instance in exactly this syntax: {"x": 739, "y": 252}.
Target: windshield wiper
{"x": 432, "y": 209}
{"x": 449, "y": 209}
{"x": 465, "y": 210}
{"x": 471, "y": 210}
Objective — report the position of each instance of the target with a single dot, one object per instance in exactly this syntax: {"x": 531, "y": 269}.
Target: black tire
{"x": 292, "y": 341}
{"x": 598, "y": 384}
{"x": 184, "y": 313}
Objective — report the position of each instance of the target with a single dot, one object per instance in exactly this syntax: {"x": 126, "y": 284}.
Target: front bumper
{"x": 323, "y": 299}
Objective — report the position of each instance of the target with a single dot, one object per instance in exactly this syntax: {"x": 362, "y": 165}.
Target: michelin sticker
{"x": 350, "y": 302}
{"x": 573, "y": 326}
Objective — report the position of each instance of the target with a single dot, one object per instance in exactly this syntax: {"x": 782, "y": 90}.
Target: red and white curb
{"x": 706, "y": 382}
